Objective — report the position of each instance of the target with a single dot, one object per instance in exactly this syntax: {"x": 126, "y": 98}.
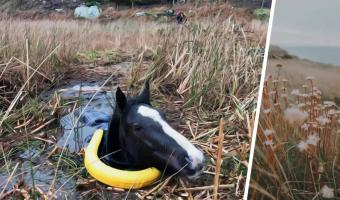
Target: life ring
{"x": 115, "y": 177}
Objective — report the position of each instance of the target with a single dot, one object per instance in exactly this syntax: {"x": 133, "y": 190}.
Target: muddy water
{"x": 94, "y": 113}
{"x": 42, "y": 180}
{"x": 33, "y": 171}
{"x": 77, "y": 127}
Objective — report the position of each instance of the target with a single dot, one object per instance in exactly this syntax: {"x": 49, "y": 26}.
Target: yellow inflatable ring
{"x": 115, "y": 177}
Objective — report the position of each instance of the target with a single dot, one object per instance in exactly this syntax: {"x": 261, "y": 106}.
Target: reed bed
{"x": 73, "y": 37}
{"x": 211, "y": 72}
{"x": 200, "y": 73}
{"x": 296, "y": 153}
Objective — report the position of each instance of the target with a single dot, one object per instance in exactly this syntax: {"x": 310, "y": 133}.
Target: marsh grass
{"x": 199, "y": 73}
{"x": 74, "y": 36}
{"x": 210, "y": 71}
{"x": 297, "y": 147}
{"x": 209, "y": 66}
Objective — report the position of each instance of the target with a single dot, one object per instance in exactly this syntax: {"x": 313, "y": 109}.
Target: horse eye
{"x": 137, "y": 127}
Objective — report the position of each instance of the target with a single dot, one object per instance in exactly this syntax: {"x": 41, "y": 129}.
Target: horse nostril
{"x": 194, "y": 164}
{"x": 188, "y": 160}
{"x": 200, "y": 167}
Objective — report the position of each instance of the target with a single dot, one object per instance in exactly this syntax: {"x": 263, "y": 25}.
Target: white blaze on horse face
{"x": 196, "y": 156}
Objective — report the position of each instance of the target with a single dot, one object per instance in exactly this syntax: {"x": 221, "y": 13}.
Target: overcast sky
{"x": 306, "y": 23}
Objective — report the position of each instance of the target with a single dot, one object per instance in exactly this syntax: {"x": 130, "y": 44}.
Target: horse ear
{"x": 120, "y": 99}
{"x": 144, "y": 95}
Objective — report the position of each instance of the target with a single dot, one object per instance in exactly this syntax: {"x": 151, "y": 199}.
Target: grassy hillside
{"x": 296, "y": 70}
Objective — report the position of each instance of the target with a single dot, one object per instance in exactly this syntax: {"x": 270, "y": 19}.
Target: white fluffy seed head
{"x": 295, "y": 92}
{"x": 323, "y": 120}
{"x": 268, "y": 132}
{"x": 313, "y": 139}
{"x": 302, "y": 146}
{"x": 305, "y": 126}
{"x": 269, "y": 142}
{"x": 327, "y": 192}
{"x": 295, "y": 116}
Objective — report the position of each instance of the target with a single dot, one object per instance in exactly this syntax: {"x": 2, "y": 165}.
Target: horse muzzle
{"x": 194, "y": 168}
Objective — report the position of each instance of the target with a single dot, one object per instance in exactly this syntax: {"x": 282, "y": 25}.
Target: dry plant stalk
{"x": 218, "y": 159}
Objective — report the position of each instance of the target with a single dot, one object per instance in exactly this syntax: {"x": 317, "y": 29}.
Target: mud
{"x": 36, "y": 166}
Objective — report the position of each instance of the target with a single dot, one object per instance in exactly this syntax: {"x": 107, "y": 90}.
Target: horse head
{"x": 147, "y": 139}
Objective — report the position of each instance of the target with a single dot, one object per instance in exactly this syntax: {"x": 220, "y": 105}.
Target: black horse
{"x": 144, "y": 139}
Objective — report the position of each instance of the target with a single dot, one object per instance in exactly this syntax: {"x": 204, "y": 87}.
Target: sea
{"x": 322, "y": 54}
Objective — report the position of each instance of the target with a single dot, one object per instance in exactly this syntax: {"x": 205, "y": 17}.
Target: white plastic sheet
{"x": 83, "y": 11}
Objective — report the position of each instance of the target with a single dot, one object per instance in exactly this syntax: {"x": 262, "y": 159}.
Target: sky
{"x": 306, "y": 23}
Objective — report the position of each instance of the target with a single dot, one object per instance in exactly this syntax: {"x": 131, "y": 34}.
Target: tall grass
{"x": 211, "y": 71}
{"x": 73, "y": 37}
{"x": 212, "y": 67}
{"x": 25, "y": 44}
{"x": 297, "y": 148}
{"x": 200, "y": 72}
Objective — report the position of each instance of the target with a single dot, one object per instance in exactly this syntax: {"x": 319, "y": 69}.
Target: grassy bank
{"x": 295, "y": 70}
